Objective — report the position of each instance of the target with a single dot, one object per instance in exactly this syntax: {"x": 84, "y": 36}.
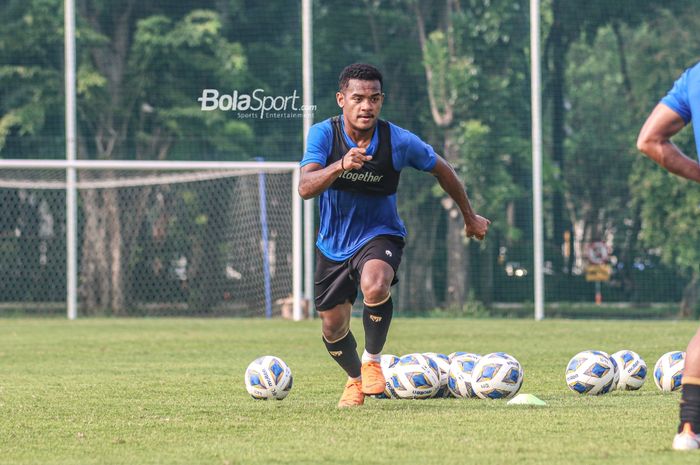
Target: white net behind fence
{"x": 185, "y": 243}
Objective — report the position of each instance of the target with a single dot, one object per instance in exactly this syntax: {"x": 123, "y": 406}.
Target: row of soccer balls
{"x": 413, "y": 376}
{"x": 493, "y": 376}
{"x": 594, "y": 372}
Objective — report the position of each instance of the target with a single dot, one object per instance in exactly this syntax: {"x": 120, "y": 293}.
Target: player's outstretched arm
{"x": 315, "y": 178}
{"x": 655, "y": 142}
{"x": 475, "y": 226}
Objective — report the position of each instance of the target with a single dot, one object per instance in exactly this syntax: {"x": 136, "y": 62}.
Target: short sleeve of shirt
{"x": 411, "y": 151}
{"x": 318, "y": 144}
{"x": 677, "y": 98}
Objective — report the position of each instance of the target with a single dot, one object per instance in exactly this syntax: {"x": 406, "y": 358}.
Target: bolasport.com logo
{"x": 255, "y": 105}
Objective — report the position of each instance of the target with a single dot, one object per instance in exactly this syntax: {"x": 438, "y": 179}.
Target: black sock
{"x": 344, "y": 351}
{"x": 376, "y": 321}
{"x": 690, "y": 406}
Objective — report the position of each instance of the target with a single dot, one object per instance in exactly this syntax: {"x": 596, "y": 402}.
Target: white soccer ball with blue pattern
{"x": 497, "y": 376}
{"x": 414, "y": 377}
{"x": 668, "y": 371}
{"x": 387, "y": 363}
{"x": 590, "y": 372}
{"x": 616, "y": 368}
{"x": 455, "y": 354}
{"x": 633, "y": 370}
{"x": 459, "y": 380}
{"x": 268, "y": 377}
{"x": 443, "y": 364}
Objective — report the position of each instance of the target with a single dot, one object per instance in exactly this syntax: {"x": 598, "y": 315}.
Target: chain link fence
{"x": 222, "y": 80}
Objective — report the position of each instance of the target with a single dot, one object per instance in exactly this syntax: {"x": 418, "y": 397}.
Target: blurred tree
{"x": 31, "y": 78}
{"x": 456, "y": 73}
{"x": 670, "y": 223}
{"x": 469, "y": 78}
{"x": 141, "y": 67}
{"x": 566, "y": 23}
{"x": 145, "y": 73}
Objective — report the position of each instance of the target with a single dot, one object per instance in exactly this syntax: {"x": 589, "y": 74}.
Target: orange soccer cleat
{"x": 352, "y": 395}
{"x": 373, "y": 381}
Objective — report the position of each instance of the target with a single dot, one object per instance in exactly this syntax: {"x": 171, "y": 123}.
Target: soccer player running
{"x": 353, "y": 162}
{"x": 679, "y": 107}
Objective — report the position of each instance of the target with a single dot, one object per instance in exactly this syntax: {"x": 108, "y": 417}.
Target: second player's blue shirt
{"x": 684, "y": 99}
{"x": 348, "y": 219}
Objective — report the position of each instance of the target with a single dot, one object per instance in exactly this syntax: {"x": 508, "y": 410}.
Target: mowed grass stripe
{"x": 149, "y": 391}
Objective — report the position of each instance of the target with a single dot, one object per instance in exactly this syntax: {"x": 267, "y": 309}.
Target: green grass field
{"x": 171, "y": 391}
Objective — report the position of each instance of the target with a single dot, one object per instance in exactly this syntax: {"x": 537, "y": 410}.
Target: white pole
{"x": 296, "y": 248}
{"x": 536, "y": 96}
{"x": 71, "y": 141}
{"x": 308, "y": 91}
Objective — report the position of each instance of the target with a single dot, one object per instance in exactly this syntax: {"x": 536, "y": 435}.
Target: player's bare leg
{"x": 342, "y": 346}
{"x": 687, "y": 439}
{"x": 375, "y": 283}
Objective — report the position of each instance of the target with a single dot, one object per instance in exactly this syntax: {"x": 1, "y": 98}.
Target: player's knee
{"x": 334, "y": 328}
{"x": 376, "y": 292}
{"x": 333, "y": 333}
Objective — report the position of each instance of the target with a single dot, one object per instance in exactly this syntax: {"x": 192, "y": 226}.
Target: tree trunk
{"x": 116, "y": 277}
{"x": 94, "y": 275}
{"x": 132, "y": 222}
{"x": 440, "y": 93}
{"x": 102, "y": 277}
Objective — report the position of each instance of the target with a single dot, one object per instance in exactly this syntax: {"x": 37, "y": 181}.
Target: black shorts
{"x": 336, "y": 282}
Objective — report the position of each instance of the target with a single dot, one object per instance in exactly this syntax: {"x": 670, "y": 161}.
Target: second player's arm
{"x": 655, "y": 142}
{"x": 476, "y": 226}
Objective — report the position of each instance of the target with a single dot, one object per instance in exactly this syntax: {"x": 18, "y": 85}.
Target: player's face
{"x": 361, "y": 102}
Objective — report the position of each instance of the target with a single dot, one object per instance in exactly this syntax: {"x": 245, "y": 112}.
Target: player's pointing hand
{"x": 354, "y": 159}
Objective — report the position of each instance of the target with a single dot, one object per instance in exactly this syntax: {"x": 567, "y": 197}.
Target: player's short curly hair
{"x": 361, "y": 71}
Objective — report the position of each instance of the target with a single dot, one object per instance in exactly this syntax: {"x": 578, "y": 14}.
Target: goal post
{"x": 153, "y": 237}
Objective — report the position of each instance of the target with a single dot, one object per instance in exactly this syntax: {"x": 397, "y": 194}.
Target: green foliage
{"x": 453, "y": 76}
{"x": 486, "y": 165}
{"x": 600, "y": 147}
{"x": 31, "y": 81}
{"x": 141, "y": 90}
{"x": 172, "y": 62}
{"x": 670, "y": 208}
{"x": 669, "y": 205}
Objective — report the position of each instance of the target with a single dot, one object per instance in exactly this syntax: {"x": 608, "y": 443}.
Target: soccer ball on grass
{"x": 268, "y": 377}
{"x": 590, "y": 372}
{"x": 459, "y": 380}
{"x": 414, "y": 376}
{"x": 443, "y": 364}
{"x": 668, "y": 371}
{"x": 633, "y": 370}
{"x": 497, "y": 376}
